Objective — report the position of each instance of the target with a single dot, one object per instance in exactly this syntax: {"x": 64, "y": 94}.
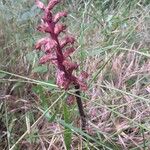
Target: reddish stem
{"x": 80, "y": 107}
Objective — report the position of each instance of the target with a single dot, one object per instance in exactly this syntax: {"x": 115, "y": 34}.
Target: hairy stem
{"x": 80, "y": 107}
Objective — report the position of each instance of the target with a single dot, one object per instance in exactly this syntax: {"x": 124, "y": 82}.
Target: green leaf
{"x": 25, "y": 16}
{"x": 34, "y": 11}
{"x": 39, "y": 90}
{"x": 32, "y": 57}
{"x": 85, "y": 135}
{"x": 2, "y": 75}
{"x": 66, "y": 114}
{"x": 40, "y": 69}
{"x": 52, "y": 118}
{"x": 52, "y": 81}
{"x": 67, "y": 132}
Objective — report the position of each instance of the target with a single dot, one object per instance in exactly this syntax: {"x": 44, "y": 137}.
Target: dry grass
{"x": 113, "y": 48}
{"x": 119, "y": 104}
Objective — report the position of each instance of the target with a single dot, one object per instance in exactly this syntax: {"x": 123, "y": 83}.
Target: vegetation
{"x": 113, "y": 40}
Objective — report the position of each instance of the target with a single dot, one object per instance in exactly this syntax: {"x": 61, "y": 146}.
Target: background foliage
{"x": 113, "y": 40}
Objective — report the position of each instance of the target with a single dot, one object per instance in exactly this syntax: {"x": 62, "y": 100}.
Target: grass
{"x": 113, "y": 47}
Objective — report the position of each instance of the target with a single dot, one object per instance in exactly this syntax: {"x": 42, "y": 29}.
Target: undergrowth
{"x": 113, "y": 40}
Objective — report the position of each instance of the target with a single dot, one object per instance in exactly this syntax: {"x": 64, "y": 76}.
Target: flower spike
{"x": 59, "y": 15}
{"x": 54, "y": 46}
{"x": 52, "y": 3}
{"x": 57, "y": 50}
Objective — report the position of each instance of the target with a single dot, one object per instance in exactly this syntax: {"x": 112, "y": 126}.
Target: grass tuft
{"x": 112, "y": 46}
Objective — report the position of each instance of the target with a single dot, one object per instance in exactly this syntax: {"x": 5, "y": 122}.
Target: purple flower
{"x": 54, "y": 47}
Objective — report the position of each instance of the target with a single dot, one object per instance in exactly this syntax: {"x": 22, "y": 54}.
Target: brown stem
{"x": 80, "y": 107}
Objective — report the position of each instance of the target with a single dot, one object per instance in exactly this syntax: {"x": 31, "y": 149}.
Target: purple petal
{"x": 68, "y": 51}
{"x": 47, "y": 58}
{"x": 70, "y": 66}
{"x": 45, "y": 27}
{"x": 66, "y": 40}
{"x": 82, "y": 85}
{"x": 41, "y": 43}
{"x": 61, "y": 79}
{"x": 59, "y": 15}
{"x": 83, "y": 75}
{"x": 59, "y": 28}
{"x": 52, "y": 3}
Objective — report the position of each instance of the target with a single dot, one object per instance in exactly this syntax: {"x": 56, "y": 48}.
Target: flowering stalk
{"x": 57, "y": 50}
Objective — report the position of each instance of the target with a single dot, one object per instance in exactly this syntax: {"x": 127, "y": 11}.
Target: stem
{"x": 80, "y": 107}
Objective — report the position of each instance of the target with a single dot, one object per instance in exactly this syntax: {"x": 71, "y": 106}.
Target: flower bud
{"x": 67, "y": 40}
{"x": 61, "y": 79}
{"x": 68, "y": 51}
{"x": 59, "y": 28}
{"x": 52, "y": 3}
{"x": 59, "y": 15}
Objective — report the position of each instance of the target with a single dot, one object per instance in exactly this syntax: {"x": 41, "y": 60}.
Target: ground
{"x": 113, "y": 47}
